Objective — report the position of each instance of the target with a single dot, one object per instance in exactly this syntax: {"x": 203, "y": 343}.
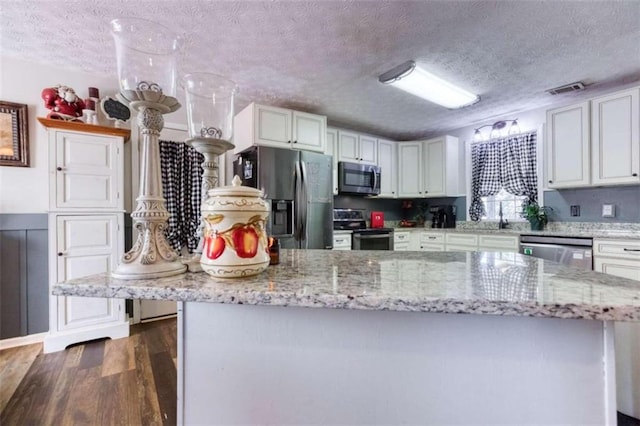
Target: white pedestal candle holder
{"x": 151, "y": 256}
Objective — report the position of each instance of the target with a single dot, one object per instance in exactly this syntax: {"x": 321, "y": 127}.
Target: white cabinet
{"x": 461, "y": 242}
{"x": 279, "y": 127}
{"x": 86, "y": 231}
{"x": 615, "y": 138}
{"x": 622, "y": 258}
{"x": 86, "y": 245}
{"x": 341, "y": 240}
{"x": 85, "y": 171}
{"x": 388, "y": 162}
{"x": 442, "y": 168}
{"x": 410, "y": 169}
{"x": 503, "y": 243}
{"x": 401, "y": 240}
{"x": 431, "y": 241}
{"x": 568, "y": 152}
{"x": 429, "y": 168}
{"x": 357, "y": 148}
{"x": 332, "y": 149}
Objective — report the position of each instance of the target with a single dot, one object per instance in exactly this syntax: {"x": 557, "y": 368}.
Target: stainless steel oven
{"x": 372, "y": 239}
{"x": 362, "y": 238}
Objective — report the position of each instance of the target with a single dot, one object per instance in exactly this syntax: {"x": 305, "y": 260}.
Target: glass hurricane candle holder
{"x": 210, "y": 107}
{"x": 146, "y": 54}
{"x": 210, "y": 111}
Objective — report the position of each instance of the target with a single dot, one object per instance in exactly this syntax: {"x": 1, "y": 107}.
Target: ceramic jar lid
{"x": 235, "y": 190}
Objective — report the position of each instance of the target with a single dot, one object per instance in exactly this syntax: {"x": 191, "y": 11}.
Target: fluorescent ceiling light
{"x": 419, "y": 82}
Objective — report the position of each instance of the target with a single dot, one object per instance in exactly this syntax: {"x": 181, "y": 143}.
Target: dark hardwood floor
{"x": 128, "y": 381}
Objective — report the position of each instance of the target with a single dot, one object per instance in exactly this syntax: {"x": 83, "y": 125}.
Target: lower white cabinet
{"x": 490, "y": 242}
{"x": 401, "y": 240}
{"x": 81, "y": 245}
{"x": 342, "y": 241}
{"x": 622, "y": 258}
{"x": 431, "y": 241}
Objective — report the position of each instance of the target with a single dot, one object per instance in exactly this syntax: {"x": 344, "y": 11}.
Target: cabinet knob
{"x": 59, "y": 169}
{"x": 288, "y": 141}
{"x": 550, "y": 181}
{"x": 634, "y": 174}
{"x": 60, "y": 253}
{"x": 295, "y": 141}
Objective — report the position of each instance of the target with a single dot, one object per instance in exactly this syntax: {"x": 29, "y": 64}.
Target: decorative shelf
{"x": 84, "y": 127}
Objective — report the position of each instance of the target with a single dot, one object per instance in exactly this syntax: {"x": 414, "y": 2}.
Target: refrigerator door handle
{"x": 297, "y": 204}
{"x": 304, "y": 201}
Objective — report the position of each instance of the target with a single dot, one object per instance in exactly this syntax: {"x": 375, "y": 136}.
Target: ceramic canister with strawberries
{"x": 235, "y": 236}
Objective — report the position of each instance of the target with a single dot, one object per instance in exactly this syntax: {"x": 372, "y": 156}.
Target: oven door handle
{"x": 371, "y": 237}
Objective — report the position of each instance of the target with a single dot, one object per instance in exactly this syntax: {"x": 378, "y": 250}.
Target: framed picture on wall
{"x": 14, "y": 137}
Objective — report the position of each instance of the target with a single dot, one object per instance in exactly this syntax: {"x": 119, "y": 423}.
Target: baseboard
{"x": 22, "y": 340}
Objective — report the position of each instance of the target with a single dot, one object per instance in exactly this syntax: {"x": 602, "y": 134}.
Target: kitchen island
{"x": 388, "y": 344}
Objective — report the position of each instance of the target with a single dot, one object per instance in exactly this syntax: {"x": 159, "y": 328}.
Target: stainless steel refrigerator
{"x": 298, "y": 184}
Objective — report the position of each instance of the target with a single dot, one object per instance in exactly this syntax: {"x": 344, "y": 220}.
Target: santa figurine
{"x": 63, "y": 103}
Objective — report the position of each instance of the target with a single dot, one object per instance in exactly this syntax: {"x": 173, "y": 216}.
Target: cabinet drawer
{"x": 462, "y": 240}
{"x": 455, "y": 247}
{"x": 618, "y": 267}
{"x": 404, "y": 246}
{"x": 342, "y": 242}
{"x": 432, "y": 238}
{"x": 431, "y": 247}
{"x": 506, "y": 242}
{"x": 622, "y": 249}
{"x": 401, "y": 237}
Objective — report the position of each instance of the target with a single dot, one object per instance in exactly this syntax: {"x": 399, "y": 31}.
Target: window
{"x": 511, "y": 206}
{"x": 503, "y": 171}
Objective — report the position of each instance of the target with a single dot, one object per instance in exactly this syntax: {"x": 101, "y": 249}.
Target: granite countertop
{"x": 470, "y": 283}
{"x": 631, "y": 232}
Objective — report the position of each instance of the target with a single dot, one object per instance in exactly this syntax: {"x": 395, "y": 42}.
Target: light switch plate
{"x": 608, "y": 210}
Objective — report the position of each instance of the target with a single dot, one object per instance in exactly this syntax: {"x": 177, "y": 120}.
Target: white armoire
{"x": 86, "y": 227}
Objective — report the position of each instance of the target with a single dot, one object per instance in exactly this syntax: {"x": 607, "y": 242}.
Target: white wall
{"x": 26, "y": 189}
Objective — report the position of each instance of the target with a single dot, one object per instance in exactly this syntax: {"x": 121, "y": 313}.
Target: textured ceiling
{"x": 325, "y": 56}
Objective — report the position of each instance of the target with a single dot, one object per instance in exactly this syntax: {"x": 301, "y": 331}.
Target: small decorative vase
{"x": 235, "y": 238}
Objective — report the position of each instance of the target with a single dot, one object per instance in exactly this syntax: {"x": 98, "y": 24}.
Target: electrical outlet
{"x": 575, "y": 210}
{"x": 608, "y": 210}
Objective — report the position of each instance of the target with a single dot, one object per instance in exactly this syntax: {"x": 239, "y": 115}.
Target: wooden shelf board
{"x": 84, "y": 127}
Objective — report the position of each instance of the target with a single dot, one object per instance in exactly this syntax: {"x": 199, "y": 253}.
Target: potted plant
{"x": 536, "y": 214}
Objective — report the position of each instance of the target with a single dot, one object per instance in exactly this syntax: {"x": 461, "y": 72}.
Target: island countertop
{"x": 444, "y": 282}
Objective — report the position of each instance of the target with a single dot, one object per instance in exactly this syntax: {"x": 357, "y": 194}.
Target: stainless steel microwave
{"x": 356, "y": 178}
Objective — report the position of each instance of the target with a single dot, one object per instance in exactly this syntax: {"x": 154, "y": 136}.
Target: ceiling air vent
{"x": 573, "y": 87}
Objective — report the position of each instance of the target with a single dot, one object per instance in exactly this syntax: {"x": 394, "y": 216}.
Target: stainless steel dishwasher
{"x": 572, "y": 251}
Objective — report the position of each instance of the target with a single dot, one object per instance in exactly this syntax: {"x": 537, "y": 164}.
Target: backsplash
{"x": 392, "y": 208}
{"x": 626, "y": 200}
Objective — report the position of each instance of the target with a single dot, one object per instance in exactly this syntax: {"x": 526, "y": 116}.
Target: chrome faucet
{"x": 503, "y": 222}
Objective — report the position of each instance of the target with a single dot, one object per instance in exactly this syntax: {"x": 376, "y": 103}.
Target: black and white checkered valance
{"x": 508, "y": 163}
{"x": 181, "y": 181}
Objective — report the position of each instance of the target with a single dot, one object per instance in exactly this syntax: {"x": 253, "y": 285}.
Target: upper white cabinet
{"x": 568, "y": 153}
{"x": 388, "y": 163}
{"x": 429, "y": 168}
{"x": 332, "y": 149}
{"x": 85, "y": 169}
{"x": 615, "y": 138}
{"x": 279, "y": 127}
{"x": 410, "y": 165}
{"x": 357, "y": 148}
{"x": 595, "y": 142}
{"x": 441, "y": 169}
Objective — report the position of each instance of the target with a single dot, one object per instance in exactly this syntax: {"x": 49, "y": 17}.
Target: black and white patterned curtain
{"x": 181, "y": 181}
{"x": 508, "y": 163}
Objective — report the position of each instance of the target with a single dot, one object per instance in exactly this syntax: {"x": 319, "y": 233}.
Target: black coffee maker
{"x": 443, "y": 216}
